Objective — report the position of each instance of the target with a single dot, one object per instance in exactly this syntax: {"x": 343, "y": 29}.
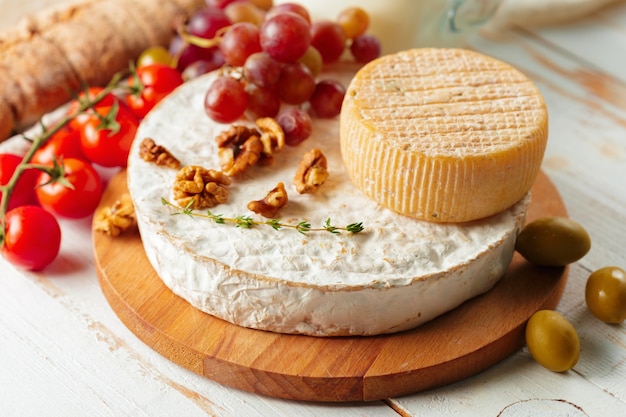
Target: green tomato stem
{"x": 39, "y": 141}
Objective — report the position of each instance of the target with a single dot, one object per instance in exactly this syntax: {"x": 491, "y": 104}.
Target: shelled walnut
{"x": 151, "y": 152}
{"x": 312, "y": 172}
{"x": 268, "y": 207}
{"x": 199, "y": 188}
{"x": 117, "y": 218}
{"x": 238, "y": 148}
{"x": 272, "y": 137}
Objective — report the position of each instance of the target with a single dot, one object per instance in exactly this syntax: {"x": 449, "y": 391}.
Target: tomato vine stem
{"x": 39, "y": 140}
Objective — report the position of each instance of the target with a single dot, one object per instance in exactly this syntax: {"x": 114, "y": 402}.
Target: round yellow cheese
{"x": 443, "y": 135}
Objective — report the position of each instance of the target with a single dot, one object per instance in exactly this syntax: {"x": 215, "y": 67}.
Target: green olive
{"x": 553, "y": 241}
{"x": 552, "y": 341}
{"x": 605, "y": 294}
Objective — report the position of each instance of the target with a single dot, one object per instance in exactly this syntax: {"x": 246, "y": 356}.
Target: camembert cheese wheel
{"x": 396, "y": 274}
{"x": 443, "y": 135}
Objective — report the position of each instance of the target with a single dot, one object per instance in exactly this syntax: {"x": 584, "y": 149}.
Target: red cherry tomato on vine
{"x": 149, "y": 85}
{"x": 32, "y": 237}
{"x": 24, "y": 192}
{"x": 65, "y": 143}
{"x": 91, "y": 92}
{"x": 76, "y": 202}
{"x": 106, "y": 140}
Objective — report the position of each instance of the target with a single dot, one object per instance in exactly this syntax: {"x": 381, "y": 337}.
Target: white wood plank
{"x": 517, "y": 381}
{"x": 63, "y": 346}
{"x": 599, "y": 39}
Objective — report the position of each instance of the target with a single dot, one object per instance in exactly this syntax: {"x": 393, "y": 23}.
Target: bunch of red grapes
{"x": 271, "y": 55}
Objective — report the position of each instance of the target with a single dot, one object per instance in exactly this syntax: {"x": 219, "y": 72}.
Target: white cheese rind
{"x": 397, "y": 274}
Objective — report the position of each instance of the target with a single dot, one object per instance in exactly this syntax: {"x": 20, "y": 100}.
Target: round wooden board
{"x": 454, "y": 346}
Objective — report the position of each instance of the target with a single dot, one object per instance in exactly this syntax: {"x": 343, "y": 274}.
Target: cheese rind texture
{"x": 443, "y": 135}
{"x": 395, "y": 275}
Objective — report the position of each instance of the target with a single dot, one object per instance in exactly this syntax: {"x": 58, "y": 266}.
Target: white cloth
{"x": 532, "y": 13}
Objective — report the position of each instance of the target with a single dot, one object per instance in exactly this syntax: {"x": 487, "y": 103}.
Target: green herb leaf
{"x": 274, "y": 223}
{"x": 355, "y": 227}
{"x": 217, "y": 218}
{"x": 247, "y": 222}
{"x": 244, "y": 222}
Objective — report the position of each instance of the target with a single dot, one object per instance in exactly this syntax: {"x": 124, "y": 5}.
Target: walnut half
{"x": 272, "y": 136}
{"x": 198, "y": 188}
{"x": 151, "y": 152}
{"x": 117, "y": 218}
{"x": 238, "y": 148}
{"x": 312, "y": 172}
{"x": 274, "y": 200}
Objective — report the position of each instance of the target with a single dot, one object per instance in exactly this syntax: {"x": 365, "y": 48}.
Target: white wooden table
{"x": 63, "y": 351}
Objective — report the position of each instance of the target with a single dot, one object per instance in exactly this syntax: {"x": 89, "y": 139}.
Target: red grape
{"x": 285, "y": 36}
{"x": 327, "y": 99}
{"x": 277, "y": 61}
{"x": 328, "y": 38}
{"x": 262, "y": 102}
{"x": 296, "y": 124}
{"x": 187, "y": 54}
{"x": 244, "y": 11}
{"x": 365, "y": 48}
{"x": 198, "y": 68}
{"x": 290, "y": 8}
{"x": 263, "y": 4}
{"x": 313, "y": 60}
{"x": 261, "y": 69}
{"x": 354, "y": 21}
{"x": 220, "y": 4}
{"x": 296, "y": 83}
{"x": 206, "y": 22}
{"x": 239, "y": 42}
{"x": 226, "y": 100}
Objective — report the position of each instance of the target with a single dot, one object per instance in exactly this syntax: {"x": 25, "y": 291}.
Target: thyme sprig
{"x": 247, "y": 222}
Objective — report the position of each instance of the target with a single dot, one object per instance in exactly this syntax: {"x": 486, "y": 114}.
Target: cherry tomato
{"x": 24, "y": 191}
{"x": 32, "y": 237}
{"x": 106, "y": 140}
{"x": 149, "y": 85}
{"x": 91, "y": 92}
{"x": 155, "y": 55}
{"x": 81, "y": 200}
{"x": 65, "y": 143}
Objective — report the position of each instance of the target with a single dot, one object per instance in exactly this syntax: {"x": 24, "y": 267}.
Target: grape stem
{"x": 190, "y": 39}
{"x": 202, "y": 42}
{"x": 40, "y": 140}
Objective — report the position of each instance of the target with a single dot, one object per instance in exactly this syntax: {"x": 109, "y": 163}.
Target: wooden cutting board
{"x": 461, "y": 343}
